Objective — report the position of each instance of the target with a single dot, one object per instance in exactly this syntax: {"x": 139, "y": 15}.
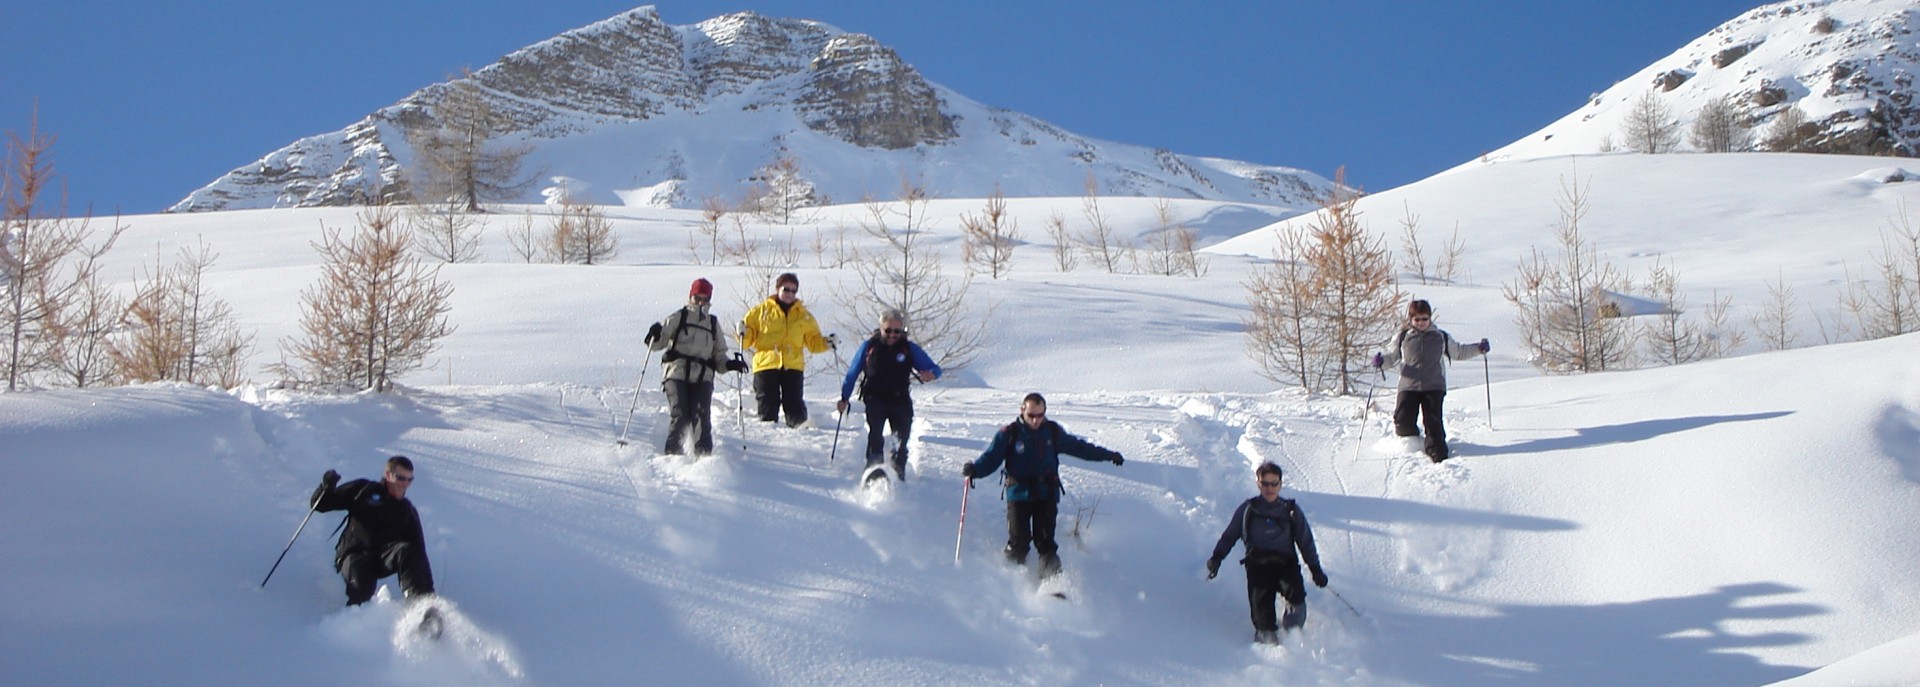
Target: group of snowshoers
{"x": 383, "y": 535}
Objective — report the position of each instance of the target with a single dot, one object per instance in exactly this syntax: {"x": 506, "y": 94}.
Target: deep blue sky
{"x": 152, "y": 99}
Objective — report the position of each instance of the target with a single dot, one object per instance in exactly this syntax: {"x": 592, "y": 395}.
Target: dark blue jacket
{"x": 889, "y": 377}
{"x": 1270, "y": 528}
{"x": 1032, "y": 457}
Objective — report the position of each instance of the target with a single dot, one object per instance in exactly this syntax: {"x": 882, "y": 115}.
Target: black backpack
{"x": 1269, "y": 530}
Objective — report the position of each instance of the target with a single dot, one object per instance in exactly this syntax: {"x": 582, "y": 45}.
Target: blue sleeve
{"x": 1232, "y": 534}
{"x": 991, "y": 458}
{"x": 1303, "y": 540}
{"x": 854, "y": 370}
{"x": 921, "y": 361}
{"x": 1083, "y": 449}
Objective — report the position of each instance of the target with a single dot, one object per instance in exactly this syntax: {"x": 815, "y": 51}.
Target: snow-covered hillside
{"x": 1847, "y": 65}
{"x": 1726, "y": 522}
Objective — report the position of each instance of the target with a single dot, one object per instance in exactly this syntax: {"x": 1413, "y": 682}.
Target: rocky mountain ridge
{"x": 633, "y": 110}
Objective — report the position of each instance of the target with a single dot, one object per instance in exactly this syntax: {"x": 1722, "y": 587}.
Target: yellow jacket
{"x": 777, "y": 336}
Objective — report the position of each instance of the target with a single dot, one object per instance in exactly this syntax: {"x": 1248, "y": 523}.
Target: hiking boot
{"x": 1015, "y": 557}
{"x": 1049, "y": 565}
{"x": 1271, "y": 637}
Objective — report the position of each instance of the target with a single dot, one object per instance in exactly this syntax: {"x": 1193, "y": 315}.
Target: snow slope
{"x": 1734, "y": 522}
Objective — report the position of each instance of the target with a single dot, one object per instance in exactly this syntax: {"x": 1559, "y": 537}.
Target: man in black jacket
{"x": 383, "y": 534}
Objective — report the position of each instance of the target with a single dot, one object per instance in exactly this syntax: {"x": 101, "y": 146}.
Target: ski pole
{"x": 966, "y": 486}
{"x": 1365, "y": 411}
{"x": 1486, "y": 372}
{"x": 837, "y": 416}
{"x": 740, "y": 403}
{"x": 290, "y": 540}
{"x": 645, "y": 360}
{"x": 1336, "y": 594}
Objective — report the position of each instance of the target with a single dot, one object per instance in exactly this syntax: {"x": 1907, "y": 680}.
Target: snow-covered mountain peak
{"x": 1847, "y": 65}
{"x": 631, "y": 103}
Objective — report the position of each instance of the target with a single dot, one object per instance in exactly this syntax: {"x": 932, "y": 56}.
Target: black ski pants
{"x": 778, "y": 390}
{"x": 363, "y": 569}
{"x": 1425, "y": 406}
{"x": 689, "y": 404}
{"x": 1275, "y": 575}
{"x": 1030, "y": 523}
{"x": 896, "y": 411}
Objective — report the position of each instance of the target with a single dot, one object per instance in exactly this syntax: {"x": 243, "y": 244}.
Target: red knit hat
{"x": 701, "y": 287}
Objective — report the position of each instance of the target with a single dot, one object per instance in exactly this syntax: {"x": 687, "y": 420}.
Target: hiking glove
{"x": 1319, "y": 579}
{"x": 330, "y": 479}
{"x": 1379, "y": 360}
{"x": 966, "y": 470}
{"x": 1118, "y": 459}
{"x": 1213, "y": 568}
{"x": 653, "y": 333}
{"x": 736, "y": 365}
{"x": 1484, "y": 347}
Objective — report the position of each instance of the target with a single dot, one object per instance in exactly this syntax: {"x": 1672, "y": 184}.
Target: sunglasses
{"x": 1270, "y": 483}
{"x": 893, "y": 331}
{"x": 702, "y": 299}
{"x": 788, "y": 289}
{"x": 1034, "y": 416}
{"x": 1423, "y": 319}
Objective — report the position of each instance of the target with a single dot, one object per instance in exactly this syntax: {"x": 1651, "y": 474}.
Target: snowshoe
{"x": 431, "y": 624}
{"x": 875, "y": 475}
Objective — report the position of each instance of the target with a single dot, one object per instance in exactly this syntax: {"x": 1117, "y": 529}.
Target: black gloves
{"x": 736, "y": 364}
{"x": 1485, "y": 347}
{"x": 330, "y": 480}
{"x": 1118, "y": 459}
{"x": 1319, "y": 579}
{"x": 653, "y": 333}
{"x": 966, "y": 470}
{"x": 1213, "y": 568}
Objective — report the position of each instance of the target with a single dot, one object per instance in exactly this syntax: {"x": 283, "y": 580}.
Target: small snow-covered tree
{"x": 458, "y": 155}
{"x": 580, "y": 234}
{"x": 1102, "y": 245}
{"x": 177, "y": 330}
{"x": 902, "y": 273}
{"x": 376, "y": 314}
{"x": 1889, "y": 305}
{"x": 990, "y": 237}
{"x": 1717, "y": 128}
{"x": 54, "y": 312}
{"x": 1671, "y": 338}
{"x": 1565, "y": 317}
{"x": 444, "y": 231}
{"x": 781, "y": 191}
{"x": 1330, "y": 297}
{"x": 1650, "y": 126}
{"x": 1790, "y": 131}
{"x": 1774, "y": 322}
